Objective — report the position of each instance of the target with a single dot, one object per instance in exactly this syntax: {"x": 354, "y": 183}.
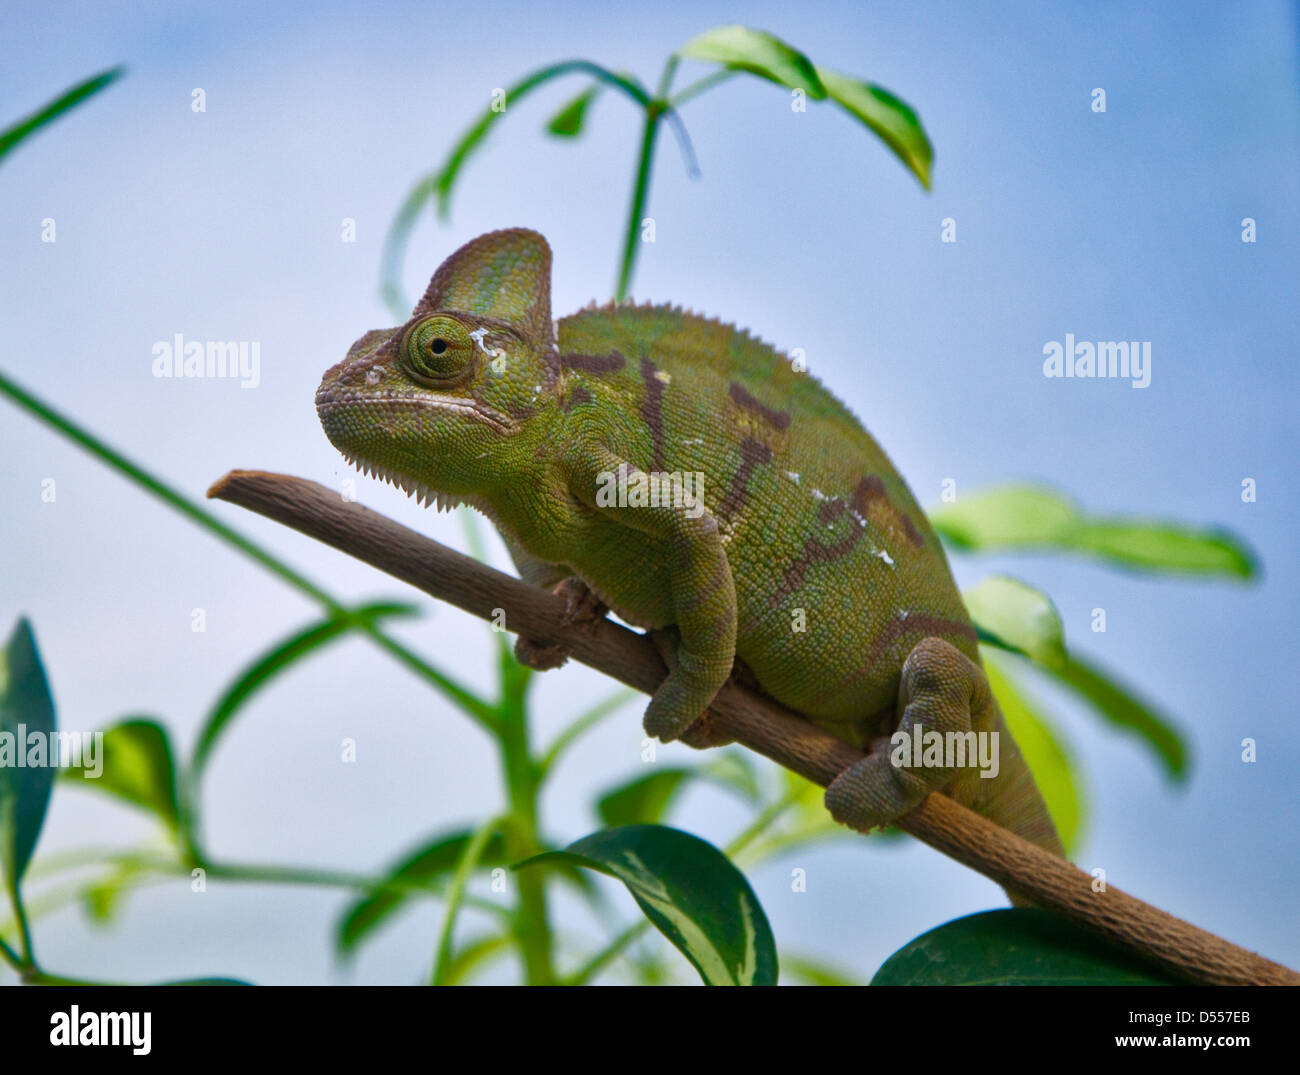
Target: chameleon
{"x": 683, "y": 474}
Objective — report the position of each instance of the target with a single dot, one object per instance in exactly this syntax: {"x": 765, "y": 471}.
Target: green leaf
{"x": 568, "y": 121}
{"x": 102, "y": 899}
{"x": 276, "y": 660}
{"x": 1020, "y": 946}
{"x": 759, "y": 53}
{"x": 474, "y": 955}
{"x": 645, "y": 799}
{"x": 52, "y": 111}
{"x": 420, "y": 869}
{"x": 1043, "y": 752}
{"x": 208, "y": 981}
{"x": 26, "y": 718}
{"x": 893, "y": 120}
{"x": 1012, "y": 614}
{"x": 1128, "y": 712}
{"x": 814, "y": 972}
{"x": 137, "y": 766}
{"x": 1157, "y": 546}
{"x": 690, "y": 892}
{"x": 1032, "y": 517}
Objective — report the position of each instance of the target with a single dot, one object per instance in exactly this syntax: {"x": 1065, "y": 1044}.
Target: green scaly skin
{"x": 804, "y": 555}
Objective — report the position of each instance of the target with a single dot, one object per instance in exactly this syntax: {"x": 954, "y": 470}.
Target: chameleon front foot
{"x": 941, "y": 690}
{"x": 678, "y": 708}
{"x": 581, "y": 606}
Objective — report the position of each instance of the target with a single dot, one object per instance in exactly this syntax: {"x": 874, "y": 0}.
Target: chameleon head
{"x": 429, "y": 406}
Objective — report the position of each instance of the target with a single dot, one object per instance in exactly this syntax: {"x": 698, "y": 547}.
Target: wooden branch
{"x": 753, "y": 720}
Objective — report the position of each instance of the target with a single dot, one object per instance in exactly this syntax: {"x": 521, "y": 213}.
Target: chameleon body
{"x": 692, "y": 479}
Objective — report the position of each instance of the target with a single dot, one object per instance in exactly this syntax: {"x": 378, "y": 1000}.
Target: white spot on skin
{"x": 664, "y": 376}
{"x": 373, "y": 374}
{"x": 884, "y": 556}
{"x": 818, "y": 494}
{"x": 792, "y": 476}
{"x": 694, "y": 440}
{"x": 478, "y": 336}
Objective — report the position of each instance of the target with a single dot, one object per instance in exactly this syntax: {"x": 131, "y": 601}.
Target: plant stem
{"x": 761, "y": 823}
{"x": 522, "y": 840}
{"x": 455, "y": 897}
{"x": 640, "y": 190}
{"x": 581, "y": 725}
{"x": 703, "y": 85}
{"x": 28, "y": 959}
{"x": 666, "y": 77}
{"x": 150, "y": 868}
{"x": 10, "y": 956}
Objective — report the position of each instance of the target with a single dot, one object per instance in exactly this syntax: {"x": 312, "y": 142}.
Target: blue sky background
{"x": 226, "y": 225}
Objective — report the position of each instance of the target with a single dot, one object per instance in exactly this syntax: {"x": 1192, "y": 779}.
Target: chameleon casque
{"x": 800, "y": 551}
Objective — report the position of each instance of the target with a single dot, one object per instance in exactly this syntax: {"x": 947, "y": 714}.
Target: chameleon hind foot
{"x": 941, "y": 690}
{"x": 581, "y": 606}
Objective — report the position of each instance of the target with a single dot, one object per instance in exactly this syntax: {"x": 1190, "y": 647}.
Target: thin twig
{"x": 753, "y": 720}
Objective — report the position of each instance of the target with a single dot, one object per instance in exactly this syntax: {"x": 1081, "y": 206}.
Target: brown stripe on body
{"x": 610, "y": 363}
{"x": 874, "y": 489}
{"x": 575, "y": 398}
{"x": 814, "y": 552}
{"x": 913, "y": 534}
{"x": 753, "y": 454}
{"x": 914, "y": 623}
{"x": 519, "y": 411}
{"x": 868, "y": 489}
{"x": 776, "y": 419}
{"x": 652, "y": 410}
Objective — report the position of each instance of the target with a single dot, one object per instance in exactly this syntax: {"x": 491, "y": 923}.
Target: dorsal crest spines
{"x": 687, "y": 315}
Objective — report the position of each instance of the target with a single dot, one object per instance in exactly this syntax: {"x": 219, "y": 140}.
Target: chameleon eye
{"x": 438, "y": 351}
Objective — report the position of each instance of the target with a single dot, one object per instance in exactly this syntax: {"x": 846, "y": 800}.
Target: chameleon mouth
{"x": 329, "y": 399}
{"x": 334, "y": 405}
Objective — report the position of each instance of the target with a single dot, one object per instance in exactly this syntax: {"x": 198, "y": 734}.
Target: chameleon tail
{"x": 1013, "y": 800}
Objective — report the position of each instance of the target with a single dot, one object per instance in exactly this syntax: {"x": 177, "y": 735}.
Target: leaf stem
{"x": 522, "y": 840}
{"x": 703, "y": 85}
{"x": 70, "y": 99}
{"x": 640, "y": 192}
{"x": 469, "y": 859}
{"x": 10, "y": 956}
{"x": 581, "y": 725}
{"x": 28, "y": 959}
